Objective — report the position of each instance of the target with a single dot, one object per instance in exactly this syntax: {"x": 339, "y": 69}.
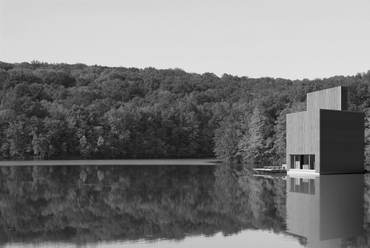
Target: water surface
{"x": 179, "y": 205}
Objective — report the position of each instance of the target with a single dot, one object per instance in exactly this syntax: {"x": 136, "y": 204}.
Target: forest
{"x": 76, "y": 111}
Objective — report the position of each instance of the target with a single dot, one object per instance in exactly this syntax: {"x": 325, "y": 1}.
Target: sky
{"x": 292, "y": 39}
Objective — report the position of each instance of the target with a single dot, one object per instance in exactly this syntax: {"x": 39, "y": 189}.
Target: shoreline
{"x": 181, "y": 161}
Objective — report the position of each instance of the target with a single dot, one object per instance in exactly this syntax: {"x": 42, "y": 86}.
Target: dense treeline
{"x": 51, "y": 111}
{"x": 88, "y": 204}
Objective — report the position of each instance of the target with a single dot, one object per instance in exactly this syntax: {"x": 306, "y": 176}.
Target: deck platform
{"x": 273, "y": 169}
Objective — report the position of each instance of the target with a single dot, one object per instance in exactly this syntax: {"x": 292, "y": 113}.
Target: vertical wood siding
{"x": 327, "y": 99}
{"x": 302, "y": 135}
{"x": 334, "y": 136}
{"x": 341, "y": 141}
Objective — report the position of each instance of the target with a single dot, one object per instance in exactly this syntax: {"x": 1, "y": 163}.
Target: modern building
{"x": 326, "y": 211}
{"x": 325, "y": 139}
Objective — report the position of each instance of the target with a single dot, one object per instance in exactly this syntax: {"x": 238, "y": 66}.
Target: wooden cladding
{"x": 326, "y": 130}
{"x": 341, "y": 141}
{"x": 333, "y": 98}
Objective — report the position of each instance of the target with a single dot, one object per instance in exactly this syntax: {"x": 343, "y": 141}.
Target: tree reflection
{"x": 84, "y": 204}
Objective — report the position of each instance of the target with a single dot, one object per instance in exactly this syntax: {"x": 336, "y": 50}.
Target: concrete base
{"x": 303, "y": 173}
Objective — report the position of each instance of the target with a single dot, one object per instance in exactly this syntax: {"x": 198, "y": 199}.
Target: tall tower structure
{"x": 325, "y": 139}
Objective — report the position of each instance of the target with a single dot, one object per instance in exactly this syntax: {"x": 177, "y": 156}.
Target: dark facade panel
{"x": 341, "y": 142}
{"x": 333, "y": 135}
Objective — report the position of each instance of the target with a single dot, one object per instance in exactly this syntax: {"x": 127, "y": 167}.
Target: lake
{"x": 178, "y": 203}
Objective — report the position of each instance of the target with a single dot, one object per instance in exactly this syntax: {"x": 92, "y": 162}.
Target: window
{"x": 312, "y": 162}
{"x": 302, "y": 162}
{"x": 306, "y": 163}
{"x": 297, "y": 162}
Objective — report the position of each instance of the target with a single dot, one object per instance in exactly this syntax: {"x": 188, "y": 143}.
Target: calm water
{"x": 179, "y": 206}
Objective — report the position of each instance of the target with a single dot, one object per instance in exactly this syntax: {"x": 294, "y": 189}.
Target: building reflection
{"x": 327, "y": 210}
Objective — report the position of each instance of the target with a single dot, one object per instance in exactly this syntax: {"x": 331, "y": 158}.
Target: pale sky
{"x": 292, "y": 39}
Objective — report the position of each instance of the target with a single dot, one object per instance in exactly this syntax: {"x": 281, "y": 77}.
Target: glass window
{"x": 305, "y": 159}
{"x": 291, "y": 161}
{"x": 297, "y": 162}
{"x": 312, "y": 162}
{"x": 306, "y": 165}
{"x": 297, "y": 158}
{"x": 305, "y": 162}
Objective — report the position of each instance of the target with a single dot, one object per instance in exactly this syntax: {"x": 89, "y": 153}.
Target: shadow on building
{"x": 326, "y": 210}
{"x": 325, "y": 139}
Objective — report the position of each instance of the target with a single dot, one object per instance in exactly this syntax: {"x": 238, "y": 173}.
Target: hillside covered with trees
{"x": 62, "y": 111}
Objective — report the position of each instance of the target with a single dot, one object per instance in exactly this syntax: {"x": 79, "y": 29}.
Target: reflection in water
{"x": 327, "y": 210}
{"x": 102, "y": 204}
{"x": 89, "y": 204}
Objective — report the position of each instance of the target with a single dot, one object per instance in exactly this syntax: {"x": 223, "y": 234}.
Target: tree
{"x": 278, "y": 150}
{"x": 19, "y": 137}
{"x": 40, "y": 145}
{"x": 227, "y": 138}
{"x": 253, "y": 146}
